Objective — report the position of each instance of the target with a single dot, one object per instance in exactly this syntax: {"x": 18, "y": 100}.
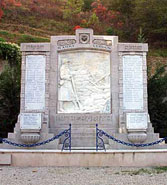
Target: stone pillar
{"x": 133, "y": 112}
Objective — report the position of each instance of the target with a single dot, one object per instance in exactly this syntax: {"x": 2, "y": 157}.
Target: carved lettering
{"x": 66, "y": 42}
{"x": 83, "y": 118}
{"x": 35, "y": 47}
{"x": 101, "y": 47}
{"x": 133, "y": 47}
{"x": 65, "y": 47}
{"x": 102, "y": 42}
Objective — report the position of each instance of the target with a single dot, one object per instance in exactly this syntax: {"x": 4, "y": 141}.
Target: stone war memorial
{"x": 84, "y": 83}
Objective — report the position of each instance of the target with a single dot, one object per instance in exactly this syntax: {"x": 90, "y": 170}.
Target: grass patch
{"x": 29, "y": 38}
{"x": 21, "y": 38}
{"x": 141, "y": 171}
{"x": 161, "y": 169}
{"x": 158, "y": 52}
{"x": 6, "y": 34}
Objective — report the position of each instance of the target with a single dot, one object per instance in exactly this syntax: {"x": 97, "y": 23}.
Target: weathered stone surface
{"x": 84, "y": 82}
{"x": 137, "y": 137}
{"x": 137, "y": 121}
{"x": 30, "y": 137}
{"x": 35, "y": 82}
{"x": 37, "y": 158}
{"x": 5, "y": 159}
{"x": 84, "y": 79}
{"x": 132, "y": 82}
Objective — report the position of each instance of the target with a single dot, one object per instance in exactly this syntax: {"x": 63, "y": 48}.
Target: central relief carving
{"x": 84, "y": 82}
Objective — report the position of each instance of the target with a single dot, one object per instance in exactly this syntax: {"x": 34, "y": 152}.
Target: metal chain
{"x": 136, "y": 145}
{"x": 101, "y": 133}
{"x": 37, "y": 144}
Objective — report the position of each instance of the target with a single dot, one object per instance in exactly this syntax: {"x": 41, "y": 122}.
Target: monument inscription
{"x": 136, "y": 120}
{"x": 132, "y": 82}
{"x": 35, "y": 82}
{"x": 87, "y": 118}
{"x": 30, "y": 120}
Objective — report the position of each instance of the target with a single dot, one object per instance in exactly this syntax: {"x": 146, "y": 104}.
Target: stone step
{"x": 100, "y": 126}
{"x": 80, "y": 130}
{"x": 83, "y": 148}
{"x": 82, "y": 141}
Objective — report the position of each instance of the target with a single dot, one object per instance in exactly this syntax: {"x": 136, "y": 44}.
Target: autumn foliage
{"x": 7, "y": 3}
{"x": 105, "y": 15}
{"x": 45, "y": 8}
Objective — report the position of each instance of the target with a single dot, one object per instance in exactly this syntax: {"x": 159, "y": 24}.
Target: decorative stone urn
{"x": 30, "y": 137}
{"x": 137, "y": 137}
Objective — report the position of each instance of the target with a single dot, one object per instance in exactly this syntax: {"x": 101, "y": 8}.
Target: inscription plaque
{"x": 132, "y": 82}
{"x": 30, "y": 120}
{"x": 136, "y": 120}
{"x": 35, "y": 82}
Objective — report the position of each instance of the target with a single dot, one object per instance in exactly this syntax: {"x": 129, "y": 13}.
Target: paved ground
{"x": 82, "y": 176}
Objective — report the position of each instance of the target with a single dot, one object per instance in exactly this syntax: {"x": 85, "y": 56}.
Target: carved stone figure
{"x": 67, "y": 92}
{"x": 84, "y": 84}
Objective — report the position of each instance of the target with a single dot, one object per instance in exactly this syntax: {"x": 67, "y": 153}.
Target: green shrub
{"x": 9, "y": 87}
{"x": 2, "y": 39}
{"x": 110, "y": 31}
{"x": 157, "y": 100}
{"x": 10, "y": 52}
{"x": 9, "y": 97}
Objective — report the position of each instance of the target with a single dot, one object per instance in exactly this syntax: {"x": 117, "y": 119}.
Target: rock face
{"x": 84, "y": 82}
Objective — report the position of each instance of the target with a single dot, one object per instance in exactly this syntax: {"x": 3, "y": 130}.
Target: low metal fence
{"x": 66, "y": 143}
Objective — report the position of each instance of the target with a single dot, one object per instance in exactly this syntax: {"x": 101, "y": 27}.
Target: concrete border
{"x": 37, "y": 158}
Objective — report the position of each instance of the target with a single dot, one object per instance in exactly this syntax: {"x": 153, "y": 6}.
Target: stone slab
{"x": 140, "y": 158}
{"x": 35, "y": 82}
{"x": 136, "y": 121}
{"x": 133, "y": 82}
{"x": 30, "y": 120}
{"x": 5, "y": 159}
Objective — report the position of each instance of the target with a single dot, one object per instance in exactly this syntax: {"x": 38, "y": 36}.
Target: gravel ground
{"x": 82, "y": 176}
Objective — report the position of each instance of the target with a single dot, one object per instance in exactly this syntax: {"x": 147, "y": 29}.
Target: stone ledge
{"x": 82, "y": 151}
{"x": 37, "y": 158}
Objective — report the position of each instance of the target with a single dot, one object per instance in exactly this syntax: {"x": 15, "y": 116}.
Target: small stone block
{"x": 5, "y": 159}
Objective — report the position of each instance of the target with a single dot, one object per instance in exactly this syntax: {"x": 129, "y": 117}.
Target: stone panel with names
{"x": 132, "y": 82}
{"x": 30, "y": 120}
{"x": 136, "y": 120}
{"x": 35, "y": 82}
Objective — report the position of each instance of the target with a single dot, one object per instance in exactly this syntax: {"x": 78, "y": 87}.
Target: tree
{"x": 87, "y": 5}
{"x": 9, "y": 87}
{"x": 71, "y": 13}
{"x": 126, "y": 8}
{"x": 46, "y": 8}
{"x": 151, "y": 15}
{"x": 107, "y": 18}
{"x": 157, "y": 100}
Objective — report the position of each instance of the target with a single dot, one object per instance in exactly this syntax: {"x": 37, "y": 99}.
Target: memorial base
{"x": 39, "y": 158}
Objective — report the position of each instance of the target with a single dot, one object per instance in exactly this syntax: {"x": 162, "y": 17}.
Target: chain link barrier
{"x": 101, "y": 146}
{"x": 66, "y": 142}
